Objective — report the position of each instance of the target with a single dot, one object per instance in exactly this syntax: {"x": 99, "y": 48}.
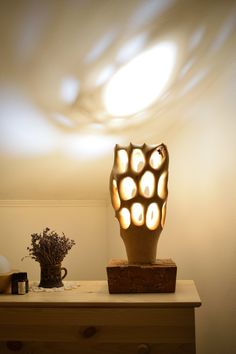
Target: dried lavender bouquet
{"x": 48, "y": 247}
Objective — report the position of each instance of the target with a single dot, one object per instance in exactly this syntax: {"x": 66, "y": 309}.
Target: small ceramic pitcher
{"x": 51, "y": 275}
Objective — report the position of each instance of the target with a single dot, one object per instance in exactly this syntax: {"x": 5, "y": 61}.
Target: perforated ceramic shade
{"x": 138, "y": 187}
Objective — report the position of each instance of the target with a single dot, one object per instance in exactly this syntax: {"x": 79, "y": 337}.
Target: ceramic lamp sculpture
{"x": 138, "y": 187}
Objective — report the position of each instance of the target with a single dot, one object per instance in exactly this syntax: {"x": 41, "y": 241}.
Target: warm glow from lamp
{"x": 122, "y": 161}
{"x": 162, "y": 186}
{"x": 69, "y": 89}
{"x": 153, "y": 216}
{"x": 137, "y": 160}
{"x": 116, "y": 198}
{"x": 156, "y": 159}
{"x": 128, "y": 188}
{"x": 139, "y": 83}
{"x": 147, "y": 184}
{"x": 125, "y": 218}
{"x": 137, "y": 213}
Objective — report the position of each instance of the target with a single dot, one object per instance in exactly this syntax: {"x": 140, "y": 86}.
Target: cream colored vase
{"x": 138, "y": 187}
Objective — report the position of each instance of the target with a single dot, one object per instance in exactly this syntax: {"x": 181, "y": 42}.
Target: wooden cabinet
{"x": 89, "y": 320}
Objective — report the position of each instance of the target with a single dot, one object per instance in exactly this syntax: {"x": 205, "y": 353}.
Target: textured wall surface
{"x": 56, "y": 150}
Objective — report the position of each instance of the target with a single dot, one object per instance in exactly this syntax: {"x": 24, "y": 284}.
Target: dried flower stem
{"x": 49, "y": 247}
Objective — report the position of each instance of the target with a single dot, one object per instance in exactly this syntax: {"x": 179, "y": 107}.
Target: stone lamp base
{"x": 159, "y": 277}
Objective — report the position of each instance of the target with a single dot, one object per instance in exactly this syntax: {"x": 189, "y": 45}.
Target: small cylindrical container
{"x": 19, "y": 283}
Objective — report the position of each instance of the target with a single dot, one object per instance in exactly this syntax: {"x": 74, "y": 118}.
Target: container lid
{"x": 21, "y": 276}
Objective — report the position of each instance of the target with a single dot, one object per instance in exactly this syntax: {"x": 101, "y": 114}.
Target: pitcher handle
{"x": 65, "y": 273}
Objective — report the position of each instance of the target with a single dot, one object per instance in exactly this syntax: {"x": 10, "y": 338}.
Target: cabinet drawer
{"x": 96, "y": 316}
{"x": 98, "y": 330}
{"x": 100, "y": 334}
{"x": 87, "y": 348}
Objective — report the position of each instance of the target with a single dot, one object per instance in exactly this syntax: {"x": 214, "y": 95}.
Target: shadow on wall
{"x": 68, "y": 93}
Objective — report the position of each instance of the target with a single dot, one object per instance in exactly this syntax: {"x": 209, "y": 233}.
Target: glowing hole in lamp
{"x": 122, "y": 161}
{"x": 137, "y": 160}
{"x": 116, "y": 198}
{"x": 137, "y": 213}
{"x": 147, "y": 184}
{"x": 163, "y": 216}
{"x": 156, "y": 159}
{"x": 153, "y": 216}
{"x": 128, "y": 188}
{"x": 162, "y": 186}
{"x": 125, "y": 218}
{"x": 140, "y": 82}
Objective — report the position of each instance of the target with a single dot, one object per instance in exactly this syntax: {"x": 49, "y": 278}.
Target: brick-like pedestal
{"x": 159, "y": 277}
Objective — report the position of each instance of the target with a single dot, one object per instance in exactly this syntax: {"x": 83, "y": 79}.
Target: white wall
{"x": 82, "y": 221}
{"x": 201, "y": 224}
{"x": 200, "y": 227}
{"x": 199, "y": 233}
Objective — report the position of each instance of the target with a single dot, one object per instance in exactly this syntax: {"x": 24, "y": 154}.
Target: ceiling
{"x": 59, "y": 145}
